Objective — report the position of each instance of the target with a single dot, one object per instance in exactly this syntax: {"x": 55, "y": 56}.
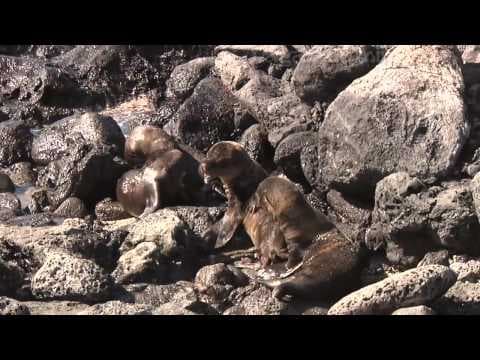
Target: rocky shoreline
{"x": 382, "y": 139}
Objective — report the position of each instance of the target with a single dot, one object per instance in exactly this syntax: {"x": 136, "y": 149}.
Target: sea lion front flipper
{"x": 153, "y": 200}
{"x": 228, "y": 225}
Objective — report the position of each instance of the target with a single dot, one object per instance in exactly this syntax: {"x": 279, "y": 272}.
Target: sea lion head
{"x": 224, "y": 160}
{"x": 146, "y": 142}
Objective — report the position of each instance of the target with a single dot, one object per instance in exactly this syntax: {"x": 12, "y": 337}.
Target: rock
{"x": 15, "y": 140}
{"x": 12, "y": 307}
{"x": 108, "y": 210}
{"x": 34, "y": 199}
{"x": 468, "y": 271}
{"x": 278, "y": 53}
{"x": 72, "y": 208}
{"x": 413, "y": 287}
{"x": 413, "y": 219}
{"x": 171, "y": 309}
{"x": 117, "y": 308}
{"x": 475, "y": 187}
{"x": 144, "y": 262}
{"x": 112, "y": 73}
{"x": 21, "y": 173}
{"x": 398, "y": 117}
{"x": 255, "y": 142}
{"x": 276, "y": 107}
{"x": 414, "y": 310}
{"x": 287, "y": 154}
{"x": 37, "y": 91}
{"x": 198, "y": 220}
{"x": 6, "y": 214}
{"x": 96, "y": 130}
{"x": 463, "y": 298}
{"x": 87, "y": 173}
{"x": 254, "y": 299}
{"x": 207, "y": 116}
{"x": 351, "y": 217}
{"x": 162, "y": 228}
{"x": 9, "y": 201}
{"x": 6, "y": 184}
{"x": 324, "y": 70}
{"x": 242, "y": 119}
{"x": 471, "y": 64}
{"x": 215, "y": 282}
{"x": 435, "y": 258}
{"x": 11, "y": 277}
{"x": 185, "y": 77}
{"x": 182, "y": 293}
{"x": 377, "y": 269}
{"x": 232, "y": 69}
{"x": 53, "y": 307}
{"x": 309, "y": 164}
{"x": 65, "y": 277}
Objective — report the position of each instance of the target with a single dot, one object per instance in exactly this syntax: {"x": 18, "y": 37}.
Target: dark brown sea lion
{"x": 330, "y": 269}
{"x": 240, "y": 176}
{"x": 170, "y": 179}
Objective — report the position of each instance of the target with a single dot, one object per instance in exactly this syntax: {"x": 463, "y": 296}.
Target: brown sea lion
{"x": 330, "y": 269}
{"x": 148, "y": 142}
{"x": 240, "y": 176}
{"x": 170, "y": 179}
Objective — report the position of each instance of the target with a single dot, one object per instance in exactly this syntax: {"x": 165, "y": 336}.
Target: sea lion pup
{"x": 240, "y": 176}
{"x": 330, "y": 269}
{"x": 165, "y": 181}
{"x": 147, "y": 142}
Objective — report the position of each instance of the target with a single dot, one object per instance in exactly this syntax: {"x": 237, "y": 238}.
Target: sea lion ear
{"x": 228, "y": 225}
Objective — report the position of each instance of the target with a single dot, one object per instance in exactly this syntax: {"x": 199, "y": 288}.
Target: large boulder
{"x": 66, "y": 277}
{"x": 207, "y": 116}
{"x": 185, "y": 77}
{"x": 277, "y": 53}
{"x": 86, "y": 172}
{"x": 54, "y": 141}
{"x": 463, "y": 298}
{"x": 414, "y": 287}
{"x": 15, "y": 142}
{"x": 324, "y": 70}
{"x": 407, "y": 114}
{"x": 412, "y": 219}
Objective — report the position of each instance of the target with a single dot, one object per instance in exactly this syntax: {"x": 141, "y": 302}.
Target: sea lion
{"x": 330, "y": 269}
{"x": 240, "y": 176}
{"x": 170, "y": 179}
{"x": 146, "y": 142}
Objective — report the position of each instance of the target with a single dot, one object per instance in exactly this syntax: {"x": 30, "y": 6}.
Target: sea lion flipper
{"x": 229, "y": 224}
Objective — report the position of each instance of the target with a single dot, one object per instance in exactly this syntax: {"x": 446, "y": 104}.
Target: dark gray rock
{"x": 378, "y": 125}
{"x": 435, "y": 258}
{"x": 112, "y": 73}
{"x": 65, "y": 277}
{"x": 96, "y": 130}
{"x": 9, "y": 201}
{"x": 11, "y": 277}
{"x": 215, "y": 282}
{"x": 254, "y": 299}
{"x": 15, "y": 140}
{"x": 207, "y": 116}
{"x": 414, "y": 287}
{"x": 21, "y": 173}
{"x": 117, "y": 308}
{"x": 87, "y": 173}
{"x": 108, "y": 210}
{"x": 325, "y": 70}
{"x": 309, "y": 164}
{"x": 186, "y": 76}
{"x": 351, "y": 217}
{"x": 6, "y": 184}
{"x": 71, "y": 208}
{"x": 463, "y": 298}
{"x": 255, "y": 142}
{"x": 413, "y": 220}
{"x": 12, "y": 307}
{"x": 287, "y": 154}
